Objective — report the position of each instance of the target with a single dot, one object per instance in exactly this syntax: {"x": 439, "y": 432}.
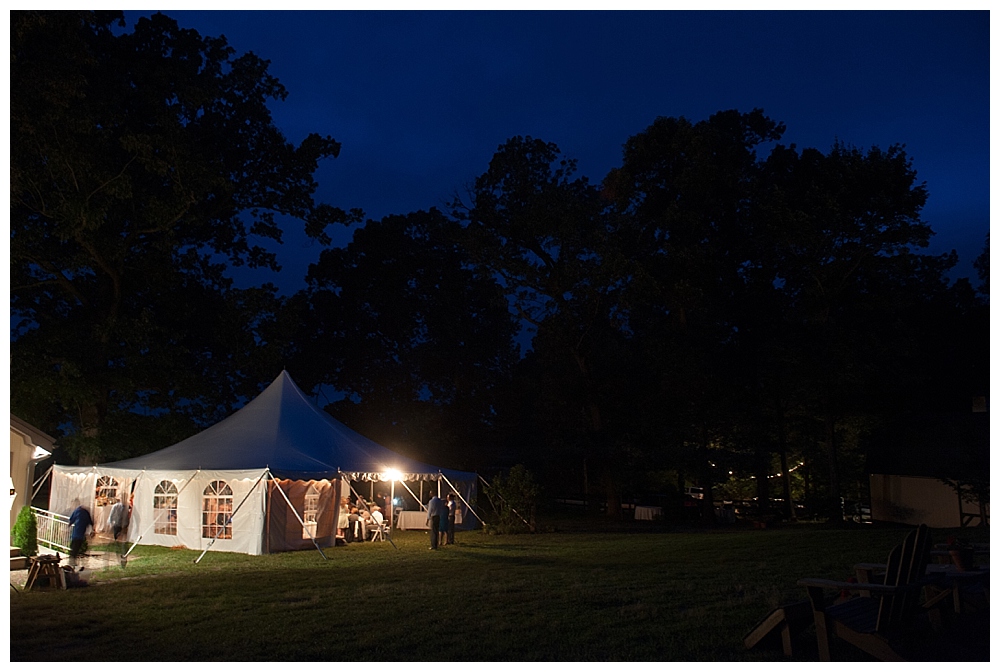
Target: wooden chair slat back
{"x": 917, "y": 569}
{"x": 895, "y": 574}
{"x": 921, "y": 554}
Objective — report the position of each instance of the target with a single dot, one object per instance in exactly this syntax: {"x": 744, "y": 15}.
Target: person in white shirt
{"x": 118, "y": 518}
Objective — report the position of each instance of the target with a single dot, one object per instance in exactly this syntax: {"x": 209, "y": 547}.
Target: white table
{"x": 412, "y": 520}
{"x": 648, "y": 512}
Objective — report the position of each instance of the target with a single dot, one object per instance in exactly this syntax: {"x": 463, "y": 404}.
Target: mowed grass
{"x": 683, "y": 596}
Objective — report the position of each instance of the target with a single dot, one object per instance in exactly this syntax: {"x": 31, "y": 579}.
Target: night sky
{"x": 421, "y": 100}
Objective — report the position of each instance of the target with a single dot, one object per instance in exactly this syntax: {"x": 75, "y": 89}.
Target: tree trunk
{"x": 786, "y": 478}
{"x": 598, "y": 440}
{"x": 831, "y": 448}
{"x": 705, "y": 481}
{"x": 90, "y": 423}
{"x": 614, "y": 496}
{"x": 763, "y": 489}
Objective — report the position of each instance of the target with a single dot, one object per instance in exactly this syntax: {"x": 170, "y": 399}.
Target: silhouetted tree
{"x": 142, "y": 163}
{"x": 703, "y": 299}
{"x": 417, "y": 339}
{"x": 543, "y": 233}
{"x": 854, "y": 278}
{"x": 982, "y": 265}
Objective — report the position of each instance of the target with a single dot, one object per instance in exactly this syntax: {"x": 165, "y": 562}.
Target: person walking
{"x": 118, "y": 518}
{"x": 79, "y": 520}
{"x": 435, "y": 509}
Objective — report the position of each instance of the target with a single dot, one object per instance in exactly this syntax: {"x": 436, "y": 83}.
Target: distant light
{"x": 730, "y": 473}
{"x": 392, "y": 475}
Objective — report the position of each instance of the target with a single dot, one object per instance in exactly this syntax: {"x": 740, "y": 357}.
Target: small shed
{"x": 918, "y": 462}
{"x": 28, "y": 446}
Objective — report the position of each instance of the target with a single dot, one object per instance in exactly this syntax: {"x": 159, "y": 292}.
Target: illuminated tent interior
{"x": 265, "y": 479}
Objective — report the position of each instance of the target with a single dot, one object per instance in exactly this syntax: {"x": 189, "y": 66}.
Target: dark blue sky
{"x": 421, "y": 100}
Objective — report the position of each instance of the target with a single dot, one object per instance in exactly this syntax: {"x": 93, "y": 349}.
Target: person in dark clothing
{"x": 452, "y": 510}
{"x": 352, "y": 526}
{"x": 80, "y": 520}
{"x": 435, "y": 509}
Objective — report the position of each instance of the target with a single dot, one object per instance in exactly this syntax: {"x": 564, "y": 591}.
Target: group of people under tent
{"x": 358, "y": 522}
{"x": 361, "y": 520}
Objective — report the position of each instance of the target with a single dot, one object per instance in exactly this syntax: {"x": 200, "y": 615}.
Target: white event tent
{"x": 267, "y": 478}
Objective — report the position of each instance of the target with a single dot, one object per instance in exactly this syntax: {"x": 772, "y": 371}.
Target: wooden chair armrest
{"x": 870, "y": 566}
{"x": 847, "y": 585}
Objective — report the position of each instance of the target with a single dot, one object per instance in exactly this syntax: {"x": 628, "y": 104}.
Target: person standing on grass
{"x": 79, "y": 520}
{"x": 342, "y": 521}
{"x": 118, "y": 518}
{"x": 452, "y": 509}
{"x": 435, "y": 509}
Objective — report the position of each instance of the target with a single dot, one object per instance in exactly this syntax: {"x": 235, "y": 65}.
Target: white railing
{"x": 53, "y": 529}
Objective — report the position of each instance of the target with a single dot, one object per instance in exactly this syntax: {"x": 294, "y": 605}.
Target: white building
{"x": 28, "y": 445}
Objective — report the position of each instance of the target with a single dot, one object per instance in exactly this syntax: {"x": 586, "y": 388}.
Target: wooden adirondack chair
{"x": 877, "y": 620}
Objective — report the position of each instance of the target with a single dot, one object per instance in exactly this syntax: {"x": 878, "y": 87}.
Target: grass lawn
{"x": 682, "y": 596}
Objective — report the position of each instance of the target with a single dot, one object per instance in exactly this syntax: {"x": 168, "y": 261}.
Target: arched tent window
{"x": 165, "y": 508}
{"x": 310, "y": 512}
{"x": 106, "y": 492}
{"x": 216, "y": 507}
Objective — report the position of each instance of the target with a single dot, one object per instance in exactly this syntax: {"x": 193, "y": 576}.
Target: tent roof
{"x": 284, "y": 431}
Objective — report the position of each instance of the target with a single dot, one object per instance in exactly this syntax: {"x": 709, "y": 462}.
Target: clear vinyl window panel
{"x": 106, "y": 492}
{"x": 310, "y": 512}
{"x": 216, "y": 508}
{"x": 165, "y": 508}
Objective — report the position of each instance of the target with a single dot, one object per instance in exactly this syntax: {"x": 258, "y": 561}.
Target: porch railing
{"x": 53, "y": 529}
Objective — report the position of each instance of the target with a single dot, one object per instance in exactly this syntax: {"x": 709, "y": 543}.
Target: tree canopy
{"x": 142, "y": 164}
{"x": 720, "y": 310}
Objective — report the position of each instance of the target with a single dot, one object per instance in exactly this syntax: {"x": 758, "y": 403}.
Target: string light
{"x": 778, "y": 475}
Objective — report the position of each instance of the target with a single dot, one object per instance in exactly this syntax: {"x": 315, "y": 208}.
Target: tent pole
{"x": 38, "y": 483}
{"x": 422, "y": 506}
{"x": 267, "y": 518}
{"x": 297, "y": 517}
{"x": 229, "y": 519}
{"x": 469, "y": 506}
{"x": 156, "y": 518}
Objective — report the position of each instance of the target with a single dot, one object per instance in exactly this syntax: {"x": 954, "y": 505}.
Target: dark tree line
{"x": 719, "y": 306}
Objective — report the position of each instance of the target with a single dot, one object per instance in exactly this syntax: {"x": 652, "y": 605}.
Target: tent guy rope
{"x": 467, "y": 505}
